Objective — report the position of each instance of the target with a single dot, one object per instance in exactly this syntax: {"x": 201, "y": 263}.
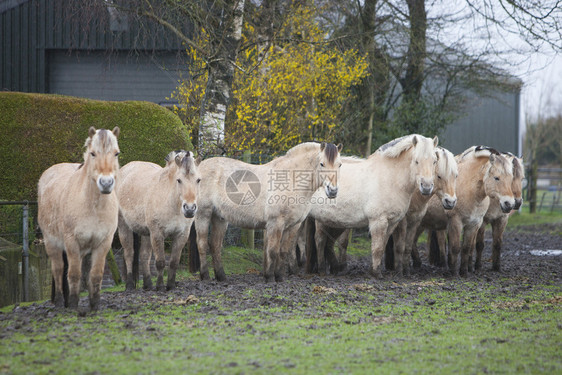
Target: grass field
{"x": 505, "y": 324}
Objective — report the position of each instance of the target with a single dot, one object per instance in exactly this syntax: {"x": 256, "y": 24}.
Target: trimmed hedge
{"x": 39, "y": 130}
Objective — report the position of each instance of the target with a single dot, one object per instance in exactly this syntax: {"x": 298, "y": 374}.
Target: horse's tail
{"x": 434, "y": 253}
{"x": 136, "y": 257}
{"x": 311, "y": 256}
{"x": 389, "y": 254}
{"x": 193, "y": 253}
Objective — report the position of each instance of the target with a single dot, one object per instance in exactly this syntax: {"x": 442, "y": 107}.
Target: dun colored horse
{"x": 404, "y": 234}
{"x": 484, "y": 176}
{"x": 78, "y": 215}
{"x": 157, "y": 203}
{"x": 376, "y": 192}
{"x": 273, "y": 196}
{"x": 498, "y": 218}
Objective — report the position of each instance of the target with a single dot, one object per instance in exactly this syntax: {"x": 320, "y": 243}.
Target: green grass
{"x": 438, "y": 331}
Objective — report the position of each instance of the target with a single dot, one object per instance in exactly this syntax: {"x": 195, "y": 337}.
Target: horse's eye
{"x": 179, "y": 181}
{"x": 93, "y": 154}
{"x": 439, "y": 177}
{"x": 198, "y": 180}
{"x": 117, "y": 154}
{"x": 321, "y": 164}
{"x": 496, "y": 178}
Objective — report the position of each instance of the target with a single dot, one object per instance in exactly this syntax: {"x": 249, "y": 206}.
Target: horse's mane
{"x": 485, "y": 151}
{"x": 450, "y": 164}
{"x": 103, "y": 139}
{"x": 330, "y": 150}
{"x": 396, "y": 147}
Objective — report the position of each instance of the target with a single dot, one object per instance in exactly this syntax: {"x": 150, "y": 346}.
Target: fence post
{"x": 25, "y": 253}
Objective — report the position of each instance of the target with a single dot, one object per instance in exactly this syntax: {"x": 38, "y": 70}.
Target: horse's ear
{"x": 340, "y": 147}
{"x": 492, "y": 158}
{"x": 437, "y": 154}
{"x": 322, "y": 146}
{"x": 198, "y": 160}
{"x": 92, "y": 131}
{"x": 178, "y": 160}
{"x": 116, "y": 131}
{"x": 435, "y": 141}
{"x": 414, "y": 140}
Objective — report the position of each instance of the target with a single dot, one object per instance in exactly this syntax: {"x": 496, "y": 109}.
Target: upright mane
{"x": 330, "y": 150}
{"x": 396, "y": 147}
{"x": 447, "y": 164}
{"x": 484, "y": 151}
{"x": 518, "y": 167}
{"x": 102, "y": 140}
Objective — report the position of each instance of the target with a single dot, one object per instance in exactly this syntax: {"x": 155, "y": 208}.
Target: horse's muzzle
{"x": 426, "y": 189}
{"x": 331, "y": 192}
{"x": 106, "y": 184}
{"x": 506, "y": 206}
{"x": 449, "y": 203}
{"x": 189, "y": 210}
{"x": 518, "y": 203}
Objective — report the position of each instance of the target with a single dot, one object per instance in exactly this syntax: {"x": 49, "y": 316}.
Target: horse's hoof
{"x": 377, "y": 274}
{"x": 417, "y": 264}
{"x": 171, "y": 286}
{"x": 269, "y": 278}
{"x": 147, "y": 284}
{"x": 220, "y": 275}
{"x": 160, "y": 288}
{"x": 73, "y": 301}
{"x": 204, "y": 276}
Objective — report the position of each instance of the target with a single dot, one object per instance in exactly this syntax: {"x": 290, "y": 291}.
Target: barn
{"x": 47, "y": 46}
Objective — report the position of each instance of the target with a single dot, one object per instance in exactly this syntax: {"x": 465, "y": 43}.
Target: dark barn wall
{"x": 492, "y": 121}
{"x": 30, "y": 32}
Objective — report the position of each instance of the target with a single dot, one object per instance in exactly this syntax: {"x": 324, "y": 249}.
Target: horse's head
{"x": 101, "y": 157}
{"x": 424, "y": 160}
{"x": 498, "y": 181}
{"x": 446, "y": 171}
{"x": 185, "y": 178}
{"x": 518, "y": 176}
{"x": 329, "y": 163}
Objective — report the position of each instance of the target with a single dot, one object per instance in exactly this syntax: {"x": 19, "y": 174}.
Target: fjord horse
{"x": 388, "y": 179}
{"x": 273, "y": 196}
{"x": 77, "y": 213}
{"x": 157, "y": 203}
{"x": 498, "y": 218}
{"x": 445, "y": 189}
{"x": 484, "y": 176}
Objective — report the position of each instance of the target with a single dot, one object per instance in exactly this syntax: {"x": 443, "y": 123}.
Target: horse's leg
{"x": 57, "y": 270}
{"x": 219, "y": 228}
{"x": 202, "y": 229}
{"x": 479, "y": 246}
{"x": 343, "y": 242}
{"x": 498, "y": 227}
{"x": 178, "y": 244}
{"x": 469, "y": 237}
{"x": 379, "y": 236}
{"x": 96, "y": 272}
{"x": 301, "y": 243}
{"x": 127, "y": 241}
{"x": 329, "y": 249}
{"x": 455, "y": 229}
{"x": 271, "y": 256}
{"x": 145, "y": 253}
{"x": 157, "y": 242}
{"x": 441, "y": 239}
{"x": 409, "y": 247}
{"x": 399, "y": 236}
{"x": 288, "y": 250}
{"x": 74, "y": 272}
{"x": 416, "y": 259}
{"x": 320, "y": 237}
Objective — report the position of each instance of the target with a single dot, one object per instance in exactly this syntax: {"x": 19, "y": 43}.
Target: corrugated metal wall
{"x": 28, "y": 29}
{"x": 491, "y": 121}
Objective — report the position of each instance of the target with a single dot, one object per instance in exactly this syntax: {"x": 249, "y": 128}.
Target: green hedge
{"x": 38, "y": 130}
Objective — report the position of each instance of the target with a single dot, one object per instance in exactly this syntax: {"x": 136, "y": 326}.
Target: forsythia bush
{"x": 286, "y": 92}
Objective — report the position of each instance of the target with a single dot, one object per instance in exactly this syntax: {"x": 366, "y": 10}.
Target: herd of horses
{"x": 308, "y": 198}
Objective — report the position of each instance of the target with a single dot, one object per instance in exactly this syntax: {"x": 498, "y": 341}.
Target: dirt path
{"x": 519, "y": 268}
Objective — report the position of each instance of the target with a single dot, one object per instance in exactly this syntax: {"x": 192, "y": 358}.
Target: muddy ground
{"x": 519, "y": 269}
